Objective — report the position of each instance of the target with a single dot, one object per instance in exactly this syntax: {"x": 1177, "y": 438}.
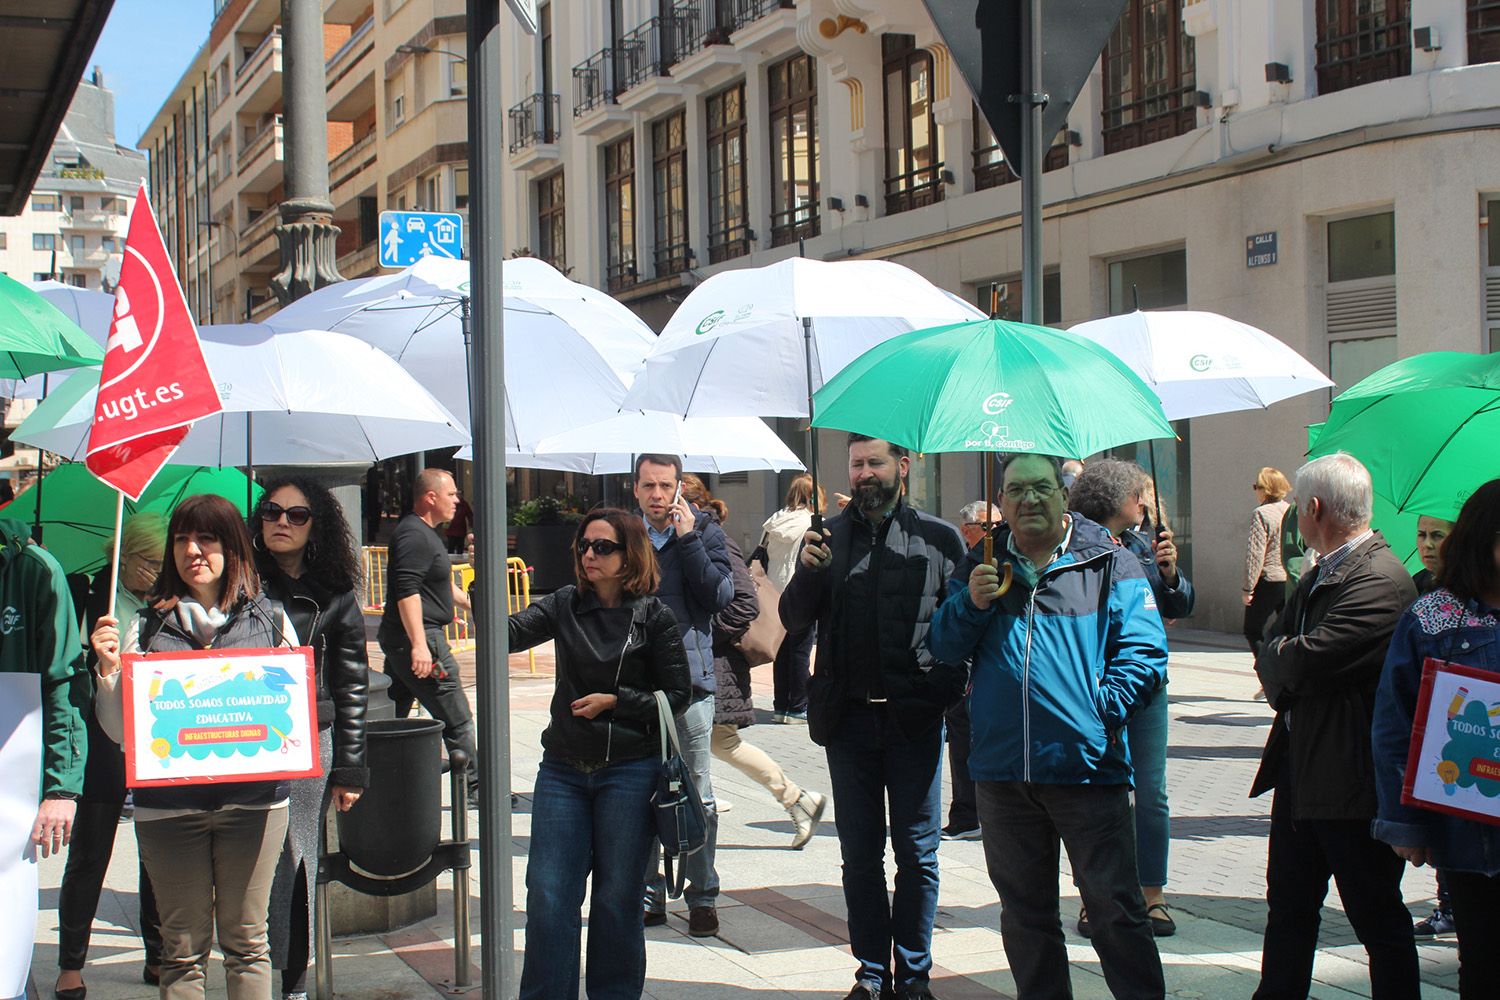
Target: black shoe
{"x": 1162, "y": 924}
{"x": 864, "y": 991}
{"x": 654, "y": 918}
{"x": 703, "y": 921}
{"x": 1083, "y": 923}
{"x": 151, "y": 975}
{"x": 916, "y": 991}
{"x": 955, "y": 831}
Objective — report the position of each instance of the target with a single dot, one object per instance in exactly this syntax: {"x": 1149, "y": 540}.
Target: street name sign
{"x": 1260, "y": 249}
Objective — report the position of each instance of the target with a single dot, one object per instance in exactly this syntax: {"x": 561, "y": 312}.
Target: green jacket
{"x": 39, "y": 635}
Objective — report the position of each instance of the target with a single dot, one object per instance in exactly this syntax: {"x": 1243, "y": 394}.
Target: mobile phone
{"x": 675, "y": 498}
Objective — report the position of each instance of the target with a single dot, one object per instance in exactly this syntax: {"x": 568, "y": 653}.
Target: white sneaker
{"x": 722, "y": 805}
{"x": 806, "y": 813}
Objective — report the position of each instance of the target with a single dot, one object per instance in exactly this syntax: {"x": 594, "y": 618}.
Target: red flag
{"x": 155, "y": 381}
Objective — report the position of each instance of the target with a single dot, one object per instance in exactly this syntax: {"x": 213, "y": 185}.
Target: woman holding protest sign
{"x": 305, "y": 554}
{"x": 1459, "y": 623}
{"x": 210, "y": 849}
{"x": 591, "y": 817}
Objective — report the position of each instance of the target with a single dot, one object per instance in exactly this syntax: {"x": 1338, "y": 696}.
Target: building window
{"x": 434, "y": 192}
{"x": 461, "y": 188}
{"x": 369, "y": 220}
{"x": 1361, "y": 41}
{"x": 913, "y": 145}
{"x": 78, "y": 280}
{"x": 75, "y": 204}
{"x": 1149, "y": 76}
{"x": 45, "y": 203}
{"x": 551, "y": 221}
{"x": 669, "y": 191}
{"x": 794, "y": 149}
{"x": 619, "y": 213}
{"x": 4, "y": 241}
{"x": 75, "y": 245}
{"x": 41, "y": 276}
{"x": 108, "y": 244}
{"x": 1003, "y": 298}
{"x": 1484, "y": 31}
{"x": 1155, "y": 281}
{"x": 728, "y": 215}
{"x": 990, "y": 168}
{"x": 397, "y": 92}
{"x": 1491, "y": 275}
{"x": 43, "y": 241}
{"x": 1360, "y": 307}
{"x": 458, "y": 77}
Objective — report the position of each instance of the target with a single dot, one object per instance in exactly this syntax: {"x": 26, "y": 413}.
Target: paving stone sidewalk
{"x": 782, "y": 911}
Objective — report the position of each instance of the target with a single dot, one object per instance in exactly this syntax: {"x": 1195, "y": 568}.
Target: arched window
{"x": 1149, "y": 76}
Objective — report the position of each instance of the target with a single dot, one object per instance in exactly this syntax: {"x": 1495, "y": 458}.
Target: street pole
{"x": 306, "y": 234}
{"x": 487, "y": 404}
{"x": 1033, "y": 102}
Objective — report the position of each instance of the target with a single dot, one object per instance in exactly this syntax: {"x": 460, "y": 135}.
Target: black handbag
{"x": 681, "y": 819}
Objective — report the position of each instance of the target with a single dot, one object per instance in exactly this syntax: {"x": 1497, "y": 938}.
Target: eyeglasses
{"x": 601, "y": 546}
{"x": 1018, "y": 493}
{"x": 295, "y": 516}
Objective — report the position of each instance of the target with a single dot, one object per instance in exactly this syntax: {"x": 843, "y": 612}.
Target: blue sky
{"x": 145, "y": 46}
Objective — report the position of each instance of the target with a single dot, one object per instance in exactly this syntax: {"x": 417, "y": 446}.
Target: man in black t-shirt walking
{"x": 419, "y": 599}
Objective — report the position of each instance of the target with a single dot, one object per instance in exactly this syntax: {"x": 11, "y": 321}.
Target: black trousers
{"x": 791, "y": 671}
{"x": 1266, "y": 602}
{"x": 441, "y": 693}
{"x": 94, "y": 828}
{"x": 1476, "y": 901}
{"x": 1303, "y": 855}
{"x": 963, "y": 811}
{"x": 1022, "y": 824}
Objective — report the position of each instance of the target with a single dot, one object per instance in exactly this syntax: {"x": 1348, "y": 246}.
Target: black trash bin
{"x": 394, "y": 827}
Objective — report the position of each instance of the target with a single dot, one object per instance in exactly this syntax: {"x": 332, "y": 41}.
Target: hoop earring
{"x": 258, "y": 542}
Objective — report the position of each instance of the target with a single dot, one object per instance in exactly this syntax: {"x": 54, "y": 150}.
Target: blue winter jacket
{"x": 1439, "y": 625}
{"x": 697, "y": 582}
{"x": 1057, "y": 670}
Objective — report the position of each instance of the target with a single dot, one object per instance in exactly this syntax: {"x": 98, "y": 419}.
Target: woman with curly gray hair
{"x": 1114, "y": 493}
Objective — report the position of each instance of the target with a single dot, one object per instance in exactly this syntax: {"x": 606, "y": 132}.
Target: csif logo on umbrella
{"x": 1201, "y": 362}
{"x": 993, "y": 435}
{"x": 708, "y": 322}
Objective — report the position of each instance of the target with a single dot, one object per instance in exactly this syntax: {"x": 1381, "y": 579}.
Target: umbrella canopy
{"x": 1201, "y": 362}
{"x": 993, "y": 385}
{"x": 1425, "y": 427}
{"x": 569, "y": 349}
{"x": 737, "y": 345}
{"x": 78, "y": 511}
{"x": 304, "y": 398}
{"x": 707, "y": 444}
{"x": 35, "y": 337}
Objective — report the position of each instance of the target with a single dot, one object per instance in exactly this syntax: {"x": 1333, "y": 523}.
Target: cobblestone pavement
{"x": 782, "y": 911}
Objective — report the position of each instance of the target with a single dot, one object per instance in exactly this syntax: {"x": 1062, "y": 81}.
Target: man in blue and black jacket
{"x": 1061, "y": 660}
{"x": 696, "y": 583}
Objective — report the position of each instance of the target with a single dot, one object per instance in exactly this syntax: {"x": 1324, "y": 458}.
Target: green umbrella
{"x": 35, "y": 337}
{"x": 1426, "y": 427}
{"x": 992, "y": 385}
{"x": 78, "y": 511}
{"x": 1398, "y": 528}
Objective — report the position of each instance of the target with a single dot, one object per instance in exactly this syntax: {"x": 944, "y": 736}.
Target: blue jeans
{"x": 869, "y": 764}
{"x": 1147, "y": 735}
{"x": 597, "y": 823}
{"x": 695, "y": 728}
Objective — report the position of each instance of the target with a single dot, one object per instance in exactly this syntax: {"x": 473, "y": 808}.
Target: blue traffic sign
{"x": 407, "y": 237}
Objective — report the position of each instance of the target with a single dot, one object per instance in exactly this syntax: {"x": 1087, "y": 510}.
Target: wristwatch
{"x": 71, "y": 796}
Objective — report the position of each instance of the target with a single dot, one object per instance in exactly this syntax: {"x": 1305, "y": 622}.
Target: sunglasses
{"x": 295, "y": 516}
{"x": 601, "y": 546}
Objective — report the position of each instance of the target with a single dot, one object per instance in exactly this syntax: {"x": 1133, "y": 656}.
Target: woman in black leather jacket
{"x": 306, "y": 557}
{"x": 591, "y": 810}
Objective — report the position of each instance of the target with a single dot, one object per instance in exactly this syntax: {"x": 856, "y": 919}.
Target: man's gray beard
{"x": 875, "y": 496}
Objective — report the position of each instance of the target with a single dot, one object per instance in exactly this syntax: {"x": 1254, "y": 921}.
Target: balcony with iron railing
{"x": 1377, "y": 49}
{"x": 534, "y": 121}
{"x": 913, "y": 189}
{"x": 621, "y": 275}
{"x": 800, "y": 222}
{"x": 597, "y": 80}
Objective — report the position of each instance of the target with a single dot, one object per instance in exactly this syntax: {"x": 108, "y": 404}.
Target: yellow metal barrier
{"x": 518, "y": 594}
{"x": 460, "y": 632}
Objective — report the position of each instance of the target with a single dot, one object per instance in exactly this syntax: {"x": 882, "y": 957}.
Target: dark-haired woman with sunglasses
{"x": 591, "y": 811}
{"x": 305, "y": 553}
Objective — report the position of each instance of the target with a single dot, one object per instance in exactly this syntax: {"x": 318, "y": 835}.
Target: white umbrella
{"x": 569, "y": 349}
{"x": 706, "y": 444}
{"x": 738, "y": 345}
{"x": 304, "y": 398}
{"x": 760, "y": 341}
{"x": 92, "y": 311}
{"x": 1201, "y": 363}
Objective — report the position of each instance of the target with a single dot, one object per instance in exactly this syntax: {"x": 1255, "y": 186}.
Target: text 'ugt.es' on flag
{"x": 155, "y": 382}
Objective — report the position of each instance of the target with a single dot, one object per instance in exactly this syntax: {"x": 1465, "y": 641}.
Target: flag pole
{"x": 114, "y": 559}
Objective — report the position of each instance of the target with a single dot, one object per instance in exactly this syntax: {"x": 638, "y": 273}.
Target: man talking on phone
{"x": 696, "y": 583}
